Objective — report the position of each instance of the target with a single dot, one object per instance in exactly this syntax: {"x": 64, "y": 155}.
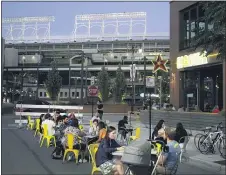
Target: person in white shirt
{"x": 93, "y": 130}
{"x": 50, "y": 124}
{"x": 96, "y": 117}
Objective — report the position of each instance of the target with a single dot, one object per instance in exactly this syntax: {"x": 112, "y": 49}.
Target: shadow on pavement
{"x": 21, "y": 154}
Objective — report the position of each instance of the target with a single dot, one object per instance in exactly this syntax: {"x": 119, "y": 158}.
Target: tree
{"x": 103, "y": 83}
{"x": 119, "y": 84}
{"x": 213, "y": 38}
{"x": 53, "y": 82}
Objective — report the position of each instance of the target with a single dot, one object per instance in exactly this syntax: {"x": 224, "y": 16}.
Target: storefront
{"x": 201, "y": 79}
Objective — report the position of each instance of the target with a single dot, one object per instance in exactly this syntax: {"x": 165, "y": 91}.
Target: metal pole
{"x": 92, "y": 106}
{"x": 144, "y": 79}
{"x": 150, "y": 117}
{"x": 160, "y": 93}
{"x": 133, "y": 99}
{"x": 86, "y": 83}
{"x": 82, "y": 75}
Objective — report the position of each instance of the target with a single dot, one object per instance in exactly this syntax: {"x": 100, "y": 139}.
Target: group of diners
{"x": 174, "y": 139}
{"x": 60, "y": 126}
{"x": 105, "y": 136}
{"x": 167, "y": 160}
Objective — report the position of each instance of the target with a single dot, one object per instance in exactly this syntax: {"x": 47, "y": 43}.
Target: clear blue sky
{"x": 64, "y": 12}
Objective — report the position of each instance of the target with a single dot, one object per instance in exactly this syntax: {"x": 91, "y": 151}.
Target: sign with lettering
{"x": 194, "y": 59}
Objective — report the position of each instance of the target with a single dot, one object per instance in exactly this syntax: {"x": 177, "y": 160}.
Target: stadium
{"x": 97, "y": 39}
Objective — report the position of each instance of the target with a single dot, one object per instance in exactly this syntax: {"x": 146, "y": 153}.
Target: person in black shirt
{"x": 100, "y": 109}
{"x": 180, "y": 133}
{"x": 122, "y": 126}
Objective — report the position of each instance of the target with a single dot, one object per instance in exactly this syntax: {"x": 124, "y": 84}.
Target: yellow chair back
{"x": 138, "y": 132}
{"x": 91, "y": 123}
{"x": 29, "y": 119}
{"x": 45, "y": 130}
{"x": 37, "y": 124}
{"x": 93, "y": 150}
{"x": 158, "y": 147}
{"x": 70, "y": 140}
{"x": 81, "y": 127}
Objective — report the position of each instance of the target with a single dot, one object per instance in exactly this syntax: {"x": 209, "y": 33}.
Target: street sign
{"x": 93, "y": 91}
{"x": 150, "y": 81}
{"x": 189, "y": 95}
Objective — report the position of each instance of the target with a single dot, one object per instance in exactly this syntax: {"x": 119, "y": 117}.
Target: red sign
{"x": 93, "y": 90}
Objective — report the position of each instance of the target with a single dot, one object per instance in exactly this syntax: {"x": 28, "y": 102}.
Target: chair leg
{"x": 42, "y": 140}
{"x": 40, "y": 137}
{"x": 36, "y": 131}
{"x": 65, "y": 153}
{"x": 48, "y": 141}
{"x": 54, "y": 139}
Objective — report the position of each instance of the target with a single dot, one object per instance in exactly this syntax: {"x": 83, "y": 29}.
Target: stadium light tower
{"x": 102, "y": 21}
{"x": 14, "y": 29}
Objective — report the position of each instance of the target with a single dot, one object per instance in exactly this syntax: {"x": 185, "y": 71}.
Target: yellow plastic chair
{"x": 70, "y": 143}
{"x": 30, "y": 123}
{"x": 47, "y": 137}
{"x": 91, "y": 123}
{"x": 81, "y": 127}
{"x": 92, "y": 151}
{"x": 137, "y": 134}
{"x": 37, "y": 128}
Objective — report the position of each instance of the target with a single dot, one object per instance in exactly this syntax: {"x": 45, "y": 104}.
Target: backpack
{"x": 137, "y": 153}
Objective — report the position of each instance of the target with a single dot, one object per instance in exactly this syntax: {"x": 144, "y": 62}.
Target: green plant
{"x": 213, "y": 38}
{"x": 53, "y": 82}
{"x": 119, "y": 84}
{"x": 103, "y": 83}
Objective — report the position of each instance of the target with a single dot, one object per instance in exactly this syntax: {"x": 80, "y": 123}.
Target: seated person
{"x": 93, "y": 130}
{"x": 50, "y": 124}
{"x": 158, "y": 133}
{"x": 167, "y": 161}
{"x": 122, "y": 126}
{"x": 73, "y": 128}
{"x": 180, "y": 134}
{"x": 104, "y": 157}
{"x": 61, "y": 126}
{"x": 96, "y": 117}
{"x": 102, "y": 131}
{"x": 42, "y": 118}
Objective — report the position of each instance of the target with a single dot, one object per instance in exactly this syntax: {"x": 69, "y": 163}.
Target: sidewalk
{"x": 213, "y": 162}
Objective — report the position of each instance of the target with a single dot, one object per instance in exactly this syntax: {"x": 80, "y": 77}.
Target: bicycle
{"x": 209, "y": 143}
{"x": 206, "y": 131}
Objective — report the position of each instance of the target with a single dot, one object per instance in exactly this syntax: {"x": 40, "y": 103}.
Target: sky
{"x": 65, "y": 12}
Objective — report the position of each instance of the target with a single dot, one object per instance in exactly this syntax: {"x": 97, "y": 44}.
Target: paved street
{"x": 21, "y": 154}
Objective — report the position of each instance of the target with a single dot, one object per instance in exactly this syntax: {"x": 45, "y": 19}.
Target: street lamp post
{"x": 133, "y": 77}
{"x": 82, "y": 75}
{"x": 144, "y": 79}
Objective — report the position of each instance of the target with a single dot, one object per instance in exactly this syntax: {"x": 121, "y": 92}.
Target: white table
{"x": 120, "y": 153}
{"x": 90, "y": 136}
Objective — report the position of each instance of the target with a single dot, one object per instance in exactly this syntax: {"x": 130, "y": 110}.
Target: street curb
{"x": 207, "y": 165}
{"x": 105, "y": 114}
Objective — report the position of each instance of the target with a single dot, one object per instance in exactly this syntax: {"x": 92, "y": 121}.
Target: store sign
{"x": 150, "y": 81}
{"x": 194, "y": 59}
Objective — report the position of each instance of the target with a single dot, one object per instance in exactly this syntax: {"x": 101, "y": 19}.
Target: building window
{"x": 73, "y": 94}
{"x": 44, "y": 94}
{"x": 77, "y": 94}
{"x": 40, "y": 94}
{"x": 192, "y": 22}
{"x": 65, "y": 94}
{"x": 61, "y": 94}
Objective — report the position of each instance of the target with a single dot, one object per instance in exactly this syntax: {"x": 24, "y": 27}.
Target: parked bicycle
{"x": 208, "y": 142}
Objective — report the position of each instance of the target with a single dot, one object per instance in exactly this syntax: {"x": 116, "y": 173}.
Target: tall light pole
{"x": 133, "y": 77}
{"x": 82, "y": 75}
{"x": 144, "y": 79}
